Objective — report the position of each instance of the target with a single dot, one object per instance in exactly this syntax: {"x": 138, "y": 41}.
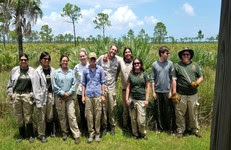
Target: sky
{"x": 182, "y": 18}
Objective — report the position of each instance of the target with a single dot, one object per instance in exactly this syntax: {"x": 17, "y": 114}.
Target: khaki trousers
{"x": 44, "y": 114}
{"x": 125, "y": 109}
{"x": 108, "y": 109}
{"x": 93, "y": 111}
{"x": 23, "y": 108}
{"x": 188, "y": 105}
{"x": 138, "y": 118}
{"x": 66, "y": 109}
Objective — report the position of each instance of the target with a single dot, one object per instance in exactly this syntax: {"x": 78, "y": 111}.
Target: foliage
{"x": 102, "y": 21}
{"x": 200, "y": 35}
{"x": 46, "y": 33}
{"x": 73, "y": 12}
{"x": 160, "y": 32}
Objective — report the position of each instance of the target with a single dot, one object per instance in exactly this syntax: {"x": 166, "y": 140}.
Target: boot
{"x": 30, "y": 134}
{"x": 51, "y": 129}
{"x": 21, "y": 133}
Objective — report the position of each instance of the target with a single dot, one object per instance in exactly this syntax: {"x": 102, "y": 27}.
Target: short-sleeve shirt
{"x": 161, "y": 74}
{"x": 185, "y": 74}
{"x": 138, "y": 85}
{"x": 78, "y": 70}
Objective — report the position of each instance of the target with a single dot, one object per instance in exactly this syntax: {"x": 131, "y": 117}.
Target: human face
{"x": 186, "y": 57}
{"x": 64, "y": 63}
{"x": 23, "y": 62}
{"x": 83, "y": 58}
{"x": 165, "y": 55}
{"x": 45, "y": 61}
{"x": 92, "y": 61}
{"x": 128, "y": 54}
{"x": 113, "y": 51}
{"x": 137, "y": 65}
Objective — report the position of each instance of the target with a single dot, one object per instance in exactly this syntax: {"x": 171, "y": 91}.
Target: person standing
{"x": 44, "y": 97}
{"x": 93, "y": 80}
{"x": 78, "y": 70}
{"x": 161, "y": 90}
{"x": 187, "y": 76}
{"x": 137, "y": 98}
{"x": 64, "y": 87}
{"x": 126, "y": 67}
{"x": 20, "y": 93}
{"x": 110, "y": 64}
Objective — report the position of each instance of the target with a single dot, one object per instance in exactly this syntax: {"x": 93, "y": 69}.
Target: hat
{"x": 92, "y": 55}
{"x": 184, "y": 50}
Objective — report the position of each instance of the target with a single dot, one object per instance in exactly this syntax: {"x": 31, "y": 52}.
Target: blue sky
{"x": 183, "y": 18}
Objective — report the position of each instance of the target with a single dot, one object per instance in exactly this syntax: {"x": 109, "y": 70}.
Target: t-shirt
{"x": 24, "y": 82}
{"x": 138, "y": 85}
{"x": 47, "y": 73}
{"x": 78, "y": 70}
{"x": 185, "y": 74}
{"x": 161, "y": 74}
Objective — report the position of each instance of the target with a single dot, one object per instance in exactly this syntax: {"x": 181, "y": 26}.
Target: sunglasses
{"x": 136, "y": 63}
{"x": 185, "y": 54}
{"x": 23, "y": 59}
{"x": 47, "y": 59}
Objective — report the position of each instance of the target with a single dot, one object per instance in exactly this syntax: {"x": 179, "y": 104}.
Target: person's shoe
{"x": 197, "y": 134}
{"x": 112, "y": 131}
{"x": 135, "y": 137}
{"x": 64, "y": 137}
{"x": 19, "y": 139}
{"x": 97, "y": 139}
{"x": 31, "y": 139}
{"x": 43, "y": 139}
{"x": 179, "y": 135}
{"x": 89, "y": 140}
{"x": 77, "y": 140}
{"x": 104, "y": 132}
{"x": 145, "y": 137}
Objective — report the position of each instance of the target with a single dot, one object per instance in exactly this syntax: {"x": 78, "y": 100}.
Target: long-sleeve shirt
{"x": 92, "y": 81}
{"x": 64, "y": 82}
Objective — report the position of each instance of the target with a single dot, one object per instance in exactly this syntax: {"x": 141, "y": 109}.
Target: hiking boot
{"x": 77, "y": 140}
{"x": 145, "y": 137}
{"x": 64, "y": 137}
{"x": 179, "y": 135}
{"x": 43, "y": 139}
{"x": 97, "y": 138}
{"x": 197, "y": 134}
{"x": 31, "y": 139}
{"x": 21, "y": 134}
{"x": 90, "y": 139}
{"x": 112, "y": 131}
{"x": 104, "y": 132}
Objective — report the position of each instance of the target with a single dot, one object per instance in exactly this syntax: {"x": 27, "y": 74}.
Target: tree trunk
{"x": 20, "y": 41}
{"x": 74, "y": 32}
{"x": 221, "y": 121}
{"x": 4, "y": 40}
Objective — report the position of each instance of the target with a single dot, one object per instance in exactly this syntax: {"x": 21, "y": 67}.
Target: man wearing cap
{"x": 187, "y": 76}
{"x": 111, "y": 67}
{"x": 93, "y": 80}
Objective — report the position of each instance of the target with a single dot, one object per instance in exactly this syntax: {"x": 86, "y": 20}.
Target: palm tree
{"x": 24, "y": 13}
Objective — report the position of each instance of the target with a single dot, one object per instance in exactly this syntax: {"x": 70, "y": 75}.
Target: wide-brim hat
{"x": 184, "y": 50}
{"x": 92, "y": 55}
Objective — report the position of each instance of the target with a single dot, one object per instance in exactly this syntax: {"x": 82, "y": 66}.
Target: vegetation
{"x": 102, "y": 21}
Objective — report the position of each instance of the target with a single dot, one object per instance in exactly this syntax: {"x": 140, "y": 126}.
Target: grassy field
{"x": 205, "y": 55}
{"x": 121, "y": 140}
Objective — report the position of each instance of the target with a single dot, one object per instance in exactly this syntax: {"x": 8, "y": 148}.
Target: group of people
{"x": 174, "y": 91}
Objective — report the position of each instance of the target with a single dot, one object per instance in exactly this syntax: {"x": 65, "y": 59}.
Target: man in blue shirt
{"x": 93, "y": 80}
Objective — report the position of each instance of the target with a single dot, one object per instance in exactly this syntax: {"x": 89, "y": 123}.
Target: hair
{"x": 163, "y": 49}
{"x": 25, "y": 55}
{"x": 129, "y": 50}
{"x": 44, "y": 54}
{"x": 141, "y": 65}
{"x": 83, "y": 50}
{"x": 113, "y": 45}
{"x": 62, "y": 56}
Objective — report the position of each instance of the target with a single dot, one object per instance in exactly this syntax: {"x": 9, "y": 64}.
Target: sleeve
{"x": 73, "y": 84}
{"x": 153, "y": 72}
{"x": 57, "y": 89}
{"x": 129, "y": 78}
{"x": 36, "y": 83}
{"x": 10, "y": 84}
{"x": 146, "y": 77}
{"x": 83, "y": 78}
{"x": 103, "y": 80}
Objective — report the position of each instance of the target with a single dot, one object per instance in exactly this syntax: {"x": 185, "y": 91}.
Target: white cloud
{"x": 107, "y": 11}
{"x": 124, "y": 17}
{"x": 188, "y": 9}
{"x": 150, "y": 20}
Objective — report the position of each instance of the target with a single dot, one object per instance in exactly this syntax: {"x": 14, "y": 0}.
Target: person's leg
{"x": 133, "y": 115}
{"x": 90, "y": 120}
{"x": 49, "y": 115}
{"x": 141, "y": 118}
{"x": 97, "y": 116}
{"x": 111, "y": 106}
{"x": 125, "y": 110}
